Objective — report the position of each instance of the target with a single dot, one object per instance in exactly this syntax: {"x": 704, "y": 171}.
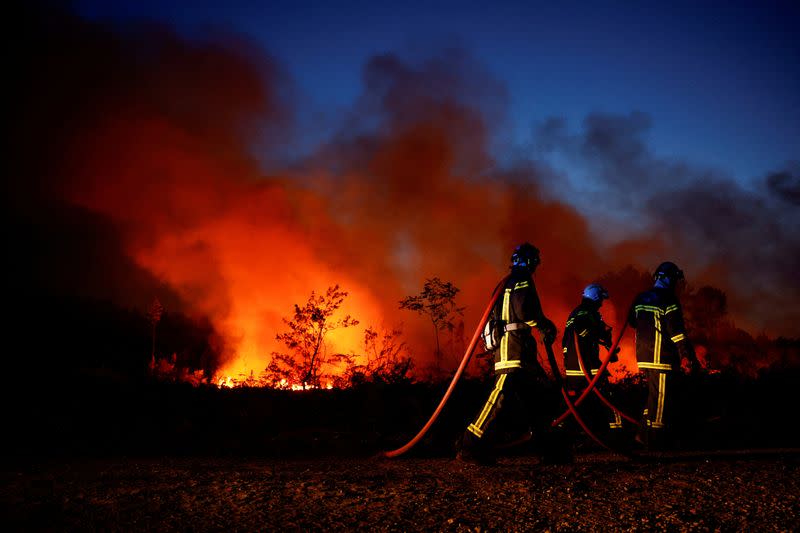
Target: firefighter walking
{"x": 584, "y": 333}
{"x": 520, "y": 385}
{"x": 661, "y": 343}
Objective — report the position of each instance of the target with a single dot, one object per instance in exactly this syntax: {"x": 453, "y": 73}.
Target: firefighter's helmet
{"x": 669, "y": 272}
{"x": 525, "y": 255}
{"x": 595, "y": 292}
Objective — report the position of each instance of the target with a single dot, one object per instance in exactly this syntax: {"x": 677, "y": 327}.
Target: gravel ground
{"x": 754, "y": 492}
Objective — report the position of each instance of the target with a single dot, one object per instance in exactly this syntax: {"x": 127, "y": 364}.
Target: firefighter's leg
{"x": 654, "y": 425}
{"x": 611, "y": 417}
{"x": 543, "y": 401}
{"x": 478, "y": 438}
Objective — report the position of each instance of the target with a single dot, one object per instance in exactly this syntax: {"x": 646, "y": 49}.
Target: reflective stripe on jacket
{"x": 586, "y": 322}
{"x": 518, "y": 303}
{"x": 660, "y": 333}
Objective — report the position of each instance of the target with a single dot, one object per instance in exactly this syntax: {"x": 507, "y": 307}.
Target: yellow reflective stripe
{"x": 584, "y": 333}
{"x": 564, "y": 349}
{"x": 575, "y": 372}
{"x": 504, "y": 365}
{"x": 657, "y": 344}
{"x": 655, "y": 366}
{"x": 522, "y": 285}
{"x": 531, "y": 323}
{"x": 651, "y": 308}
{"x": 475, "y": 431}
{"x": 594, "y": 371}
{"x": 662, "y": 392}
{"x": 487, "y": 408}
{"x": 581, "y": 313}
{"x": 505, "y": 316}
{"x": 656, "y": 309}
{"x": 678, "y": 338}
{"x": 570, "y": 321}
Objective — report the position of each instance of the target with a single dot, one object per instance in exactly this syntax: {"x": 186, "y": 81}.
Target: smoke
{"x": 744, "y": 241}
{"x": 154, "y": 136}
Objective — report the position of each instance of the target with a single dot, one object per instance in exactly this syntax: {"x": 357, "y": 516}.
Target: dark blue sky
{"x": 721, "y": 81}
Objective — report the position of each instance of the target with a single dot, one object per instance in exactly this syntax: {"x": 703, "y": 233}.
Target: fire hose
{"x": 571, "y": 407}
{"x": 464, "y": 362}
{"x": 593, "y": 383}
{"x": 596, "y": 390}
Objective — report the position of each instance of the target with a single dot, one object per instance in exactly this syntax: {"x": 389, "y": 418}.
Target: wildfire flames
{"x": 160, "y": 145}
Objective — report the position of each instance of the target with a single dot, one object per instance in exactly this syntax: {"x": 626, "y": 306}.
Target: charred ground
{"x": 598, "y": 493}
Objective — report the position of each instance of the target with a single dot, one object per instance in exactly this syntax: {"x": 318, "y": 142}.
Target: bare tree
{"x": 306, "y": 353}
{"x": 437, "y": 301}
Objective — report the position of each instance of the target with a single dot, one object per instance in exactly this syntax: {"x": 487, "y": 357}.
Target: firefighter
{"x": 521, "y": 385}
{"x": 586, "y": 326}
{"x": 661, "y": 343}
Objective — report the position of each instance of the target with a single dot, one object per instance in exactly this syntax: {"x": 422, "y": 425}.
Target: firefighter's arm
{"x": 603, "y": 332}
{"x": 677, "y": 334}
{"x": 532, "y": 307}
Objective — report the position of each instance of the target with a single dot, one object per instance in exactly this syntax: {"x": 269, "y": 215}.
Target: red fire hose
{"x": 596, "y": 378}
{"x": 464, "y": 362}
{"x": 551, "y": 359}
{"x": 582, "y": 364}
{"x": 571, "y": 407}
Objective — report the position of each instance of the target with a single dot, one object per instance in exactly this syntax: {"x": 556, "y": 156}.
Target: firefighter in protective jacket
{"x": 661, "y": 343}
{"x": 584, "y": 333}
{"x": 520, "y": 383}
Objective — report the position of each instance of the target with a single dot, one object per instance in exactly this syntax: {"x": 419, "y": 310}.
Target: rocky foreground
{"x": 731, "y": 491}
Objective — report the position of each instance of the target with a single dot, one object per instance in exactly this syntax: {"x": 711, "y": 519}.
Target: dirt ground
{"x": 754, "y": 492}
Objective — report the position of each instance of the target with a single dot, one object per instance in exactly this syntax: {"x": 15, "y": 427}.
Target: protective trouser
{"x": 522, "y": 394}
{"x": 599, "y": 417}
{"x": 653, "y": 430}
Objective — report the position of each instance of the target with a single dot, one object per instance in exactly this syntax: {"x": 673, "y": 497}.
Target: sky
{"x": 719, "y": 80}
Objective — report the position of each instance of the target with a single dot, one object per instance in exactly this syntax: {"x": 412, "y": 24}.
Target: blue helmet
{"x": 525, "y": 255}
{"x": 595, "y": 292}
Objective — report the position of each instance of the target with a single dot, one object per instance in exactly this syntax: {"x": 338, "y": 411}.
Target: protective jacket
{"x": 585, "y": 323}
{"x": 660, "y": 333}
{"x": 518, "y": 309}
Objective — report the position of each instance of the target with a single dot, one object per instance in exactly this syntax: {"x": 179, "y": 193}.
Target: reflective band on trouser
{"x": 617, "y": 423}
{"x": 575, "y": 373}
{"x": 477, "y": 428}
{"x": 662, "y": 393}
{"x": 651, "y": 366}
{"x": 678, "y": 338}
{"x": 584, "y": 333}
